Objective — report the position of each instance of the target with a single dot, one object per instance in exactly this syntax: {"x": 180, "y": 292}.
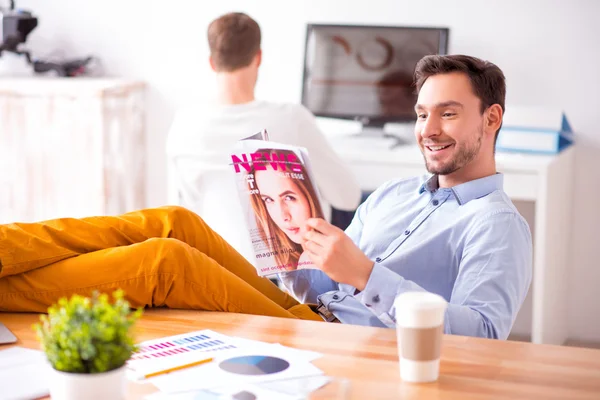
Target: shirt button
{"x": 376, "y": 298}
{"x": 335, "y": 297}
{"x": 406, "y": 232}
{"x": 435, "y": 202}
{"x": 378, "y": 259}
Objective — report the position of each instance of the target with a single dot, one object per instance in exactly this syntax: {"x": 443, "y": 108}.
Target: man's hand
{"x": 336, "y": 254}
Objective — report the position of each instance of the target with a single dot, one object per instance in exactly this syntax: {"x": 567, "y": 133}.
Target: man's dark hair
{"x": 487, "y": 80}
{"x": 234, "y": 41}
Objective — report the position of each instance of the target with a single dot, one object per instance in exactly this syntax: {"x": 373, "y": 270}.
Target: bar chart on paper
{"x": 158, "y": 355}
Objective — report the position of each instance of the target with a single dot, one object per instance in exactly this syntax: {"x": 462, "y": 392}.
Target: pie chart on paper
{"x": 254, "y": 365}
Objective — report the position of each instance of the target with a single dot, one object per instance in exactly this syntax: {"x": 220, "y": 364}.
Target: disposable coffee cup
{"x": 420, "y": 328}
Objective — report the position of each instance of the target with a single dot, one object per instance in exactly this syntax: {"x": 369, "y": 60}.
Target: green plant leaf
{"x": 88, "y": 334}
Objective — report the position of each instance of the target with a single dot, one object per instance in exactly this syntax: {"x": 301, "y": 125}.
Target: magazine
{"x": 278, "y": 194}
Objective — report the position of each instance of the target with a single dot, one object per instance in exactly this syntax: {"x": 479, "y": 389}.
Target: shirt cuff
{"x": 381, "y": 289}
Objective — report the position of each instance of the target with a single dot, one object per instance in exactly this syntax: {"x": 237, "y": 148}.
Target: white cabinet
{"x": 70, "y": 147}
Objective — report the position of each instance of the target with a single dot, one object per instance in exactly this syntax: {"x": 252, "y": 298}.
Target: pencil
{"x": 166, "y": 371}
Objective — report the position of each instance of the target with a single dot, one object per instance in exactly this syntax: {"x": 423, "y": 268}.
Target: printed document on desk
{"x": 254, "y": 392}
{"x": 293, "y": 389}
{"x": 251, "y": 362}
{"x": 24, "y": 374}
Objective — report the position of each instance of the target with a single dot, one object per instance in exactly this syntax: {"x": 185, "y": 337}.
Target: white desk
{"x": 545, "y": 180}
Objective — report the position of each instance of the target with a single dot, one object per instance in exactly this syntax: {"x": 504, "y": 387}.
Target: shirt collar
{"x": 467, "y": 191}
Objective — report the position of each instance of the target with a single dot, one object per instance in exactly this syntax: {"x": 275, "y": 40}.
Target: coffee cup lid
{"x": 420, "y": 300}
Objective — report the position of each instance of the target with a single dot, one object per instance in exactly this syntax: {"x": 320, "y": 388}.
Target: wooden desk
{"x": 470, "y": 367}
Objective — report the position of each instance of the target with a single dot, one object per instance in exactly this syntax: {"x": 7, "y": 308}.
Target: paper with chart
{"x": 253, "y": 392}
{"x": 289, "y": 389}
{"x": 174, "y": 351}
{"x": 237, "y": 362}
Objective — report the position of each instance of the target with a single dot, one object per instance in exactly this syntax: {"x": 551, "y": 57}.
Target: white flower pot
{"x": 101, "y": 386}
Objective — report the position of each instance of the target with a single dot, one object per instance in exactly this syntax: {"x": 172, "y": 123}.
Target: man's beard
{"x": 464, "y": 155}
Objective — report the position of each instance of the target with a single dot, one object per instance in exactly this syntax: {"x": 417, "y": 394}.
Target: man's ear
{"x": 212, "y": 63}
{"x": 493, "y": 119}
{"x": 258, "y": 58}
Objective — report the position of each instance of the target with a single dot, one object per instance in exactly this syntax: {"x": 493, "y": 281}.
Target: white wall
{"x": 548, "y": 50}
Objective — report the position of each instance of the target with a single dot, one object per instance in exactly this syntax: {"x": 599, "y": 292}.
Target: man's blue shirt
{"x": 467, "y": 243}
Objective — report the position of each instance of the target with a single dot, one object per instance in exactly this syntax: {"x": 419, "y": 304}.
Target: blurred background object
{"x": 15, "y": 26}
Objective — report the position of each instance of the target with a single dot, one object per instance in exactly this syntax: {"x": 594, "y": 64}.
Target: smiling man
{"x": 454, "y": 233}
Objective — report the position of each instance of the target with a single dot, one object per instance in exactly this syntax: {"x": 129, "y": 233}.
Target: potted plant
{"x": 88, "y": 341}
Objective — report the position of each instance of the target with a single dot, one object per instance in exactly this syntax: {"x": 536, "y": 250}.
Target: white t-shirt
{"x": 199, "y": 147}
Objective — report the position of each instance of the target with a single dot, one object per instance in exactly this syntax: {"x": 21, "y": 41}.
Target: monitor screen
{"x": 366, "y": 72}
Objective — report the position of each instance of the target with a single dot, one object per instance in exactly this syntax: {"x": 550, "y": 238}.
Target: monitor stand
{"x": 372, "y": 131}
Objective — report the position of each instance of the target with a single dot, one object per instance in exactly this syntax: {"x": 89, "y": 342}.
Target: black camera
{"x": 15, "y": 25}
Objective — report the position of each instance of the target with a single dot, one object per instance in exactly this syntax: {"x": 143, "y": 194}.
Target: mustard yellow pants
{"x": 164, "y": 256}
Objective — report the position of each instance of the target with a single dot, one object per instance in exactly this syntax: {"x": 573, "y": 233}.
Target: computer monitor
{"x": 365, "y": 73}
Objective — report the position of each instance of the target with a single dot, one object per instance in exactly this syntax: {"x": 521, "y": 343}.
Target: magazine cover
{"x": 278, "y": 195}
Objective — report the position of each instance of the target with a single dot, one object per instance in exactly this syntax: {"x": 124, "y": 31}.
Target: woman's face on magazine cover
{"x": 286, "y": 204}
